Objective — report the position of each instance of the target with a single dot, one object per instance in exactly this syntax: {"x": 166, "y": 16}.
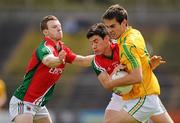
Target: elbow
{"x": 137, "y": 75}
{"x": 138, "y": 79}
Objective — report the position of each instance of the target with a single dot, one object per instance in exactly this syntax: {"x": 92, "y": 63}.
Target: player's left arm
{"x": 155, "y": 61}
{"x": 84, "y": 61}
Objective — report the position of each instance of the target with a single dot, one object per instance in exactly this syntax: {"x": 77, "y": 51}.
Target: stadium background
{"x": 78, "y": 97}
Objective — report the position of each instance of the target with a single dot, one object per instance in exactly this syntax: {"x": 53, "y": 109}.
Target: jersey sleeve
{"x": 42, "y": 51}
{"x": 70, "y": 55}
{"x": 129, "y": 56}
{"x": 96, "y": 67}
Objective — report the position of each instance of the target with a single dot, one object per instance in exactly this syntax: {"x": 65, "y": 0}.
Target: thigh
{"x": 24, "y": 118}
{"x": 18, "y": 108}
{"x": 144, "y": 108}
{"x": 139, "y": 108}
{"x": 121, "y": 116}
{"x": 162, "y": 118}
{"x": 42, "y": 115}
{"x": 43, "y": 120}
{"x": 160, "y": 114}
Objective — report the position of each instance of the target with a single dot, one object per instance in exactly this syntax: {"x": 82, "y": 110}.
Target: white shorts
{"x": 17, "y": 107}
{"x": 116, "y": 103}
{"x": 141, "y": 108}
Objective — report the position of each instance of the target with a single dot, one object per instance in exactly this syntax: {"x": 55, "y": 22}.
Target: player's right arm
{"x": 52, "y": 61}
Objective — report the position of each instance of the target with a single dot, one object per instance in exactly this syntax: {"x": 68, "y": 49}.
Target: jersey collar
{"x": 112, "y": 46}
{"x": 121, "y": 39}
{"x": 57, "y": 45}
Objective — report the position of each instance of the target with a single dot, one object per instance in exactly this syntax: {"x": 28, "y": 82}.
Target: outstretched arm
{"x": 84, "y": 61}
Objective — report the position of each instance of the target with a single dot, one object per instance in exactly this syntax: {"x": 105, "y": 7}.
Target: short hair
{"x": 97, "y": 29}
{"x": 115, "y": 11}
{"x": 43, "y": 24}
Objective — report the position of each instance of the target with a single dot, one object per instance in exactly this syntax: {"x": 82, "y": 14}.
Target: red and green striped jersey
{"x": 102, "y": 63}
{"x": 39, "y": 80}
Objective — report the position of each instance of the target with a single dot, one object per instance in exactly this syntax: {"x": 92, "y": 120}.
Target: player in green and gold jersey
{"x": 142, "y": 102}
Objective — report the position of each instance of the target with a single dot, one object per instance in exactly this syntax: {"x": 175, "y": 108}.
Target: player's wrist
{"x": 62, "y": 61}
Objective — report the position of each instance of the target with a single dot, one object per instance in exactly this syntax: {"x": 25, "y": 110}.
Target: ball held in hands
{"x": 121, "y": 89}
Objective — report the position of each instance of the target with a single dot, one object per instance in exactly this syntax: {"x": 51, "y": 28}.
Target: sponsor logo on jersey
{"x": 56, "y": 71}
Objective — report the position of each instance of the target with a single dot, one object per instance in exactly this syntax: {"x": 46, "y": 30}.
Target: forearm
{"x": 135, "y": 76}
{"x": 104, "y": 79}
{"x": 109, "y": 84}
{"x": 52, "y": 61}
{"x": 84, "y": 61}
{"x": 132, "y": 78}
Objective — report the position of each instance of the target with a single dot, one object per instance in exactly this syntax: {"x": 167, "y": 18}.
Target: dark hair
{"x": 97, "y": 29}
{"x": 115, "y": 11}
{"x": 43, "y": 24}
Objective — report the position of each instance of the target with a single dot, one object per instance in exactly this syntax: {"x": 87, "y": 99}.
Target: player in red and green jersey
{"x": 45, "y": 67}
{"x": 142, "y": 102}
{"x": 33, "y": 88}
{"x": 106, "y": 60}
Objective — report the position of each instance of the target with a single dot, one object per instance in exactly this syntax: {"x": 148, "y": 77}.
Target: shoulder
{"x": 97, "y": 65}
{"x": 98, "y": 58}
{"x": 45, "y": 46}
{"x": 67, "y": 49}
{"x": 132, "y": 37}
{"x": 134, "y": 34}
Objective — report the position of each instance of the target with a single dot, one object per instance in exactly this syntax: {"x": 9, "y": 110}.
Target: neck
{"x": 125, "y": 29}
{"x": 108, "y": 51}
{"x": 53, "y": 39}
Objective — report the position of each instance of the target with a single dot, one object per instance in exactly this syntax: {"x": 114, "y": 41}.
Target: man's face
{"x": 98, "y": 44}
{"x": 114, "y": 28}
{"x": 54, "y": 30}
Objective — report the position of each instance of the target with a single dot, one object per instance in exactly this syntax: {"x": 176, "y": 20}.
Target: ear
{"x": 45, "y": 32}
{"x": 107, "y": 38}
{"x": 124, "y": 23}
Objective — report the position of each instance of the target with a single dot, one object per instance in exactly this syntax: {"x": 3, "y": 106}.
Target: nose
{"x": 109, "y": 30}
{"x": 93, "y": 46}
{"x": 59, "y": 28}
